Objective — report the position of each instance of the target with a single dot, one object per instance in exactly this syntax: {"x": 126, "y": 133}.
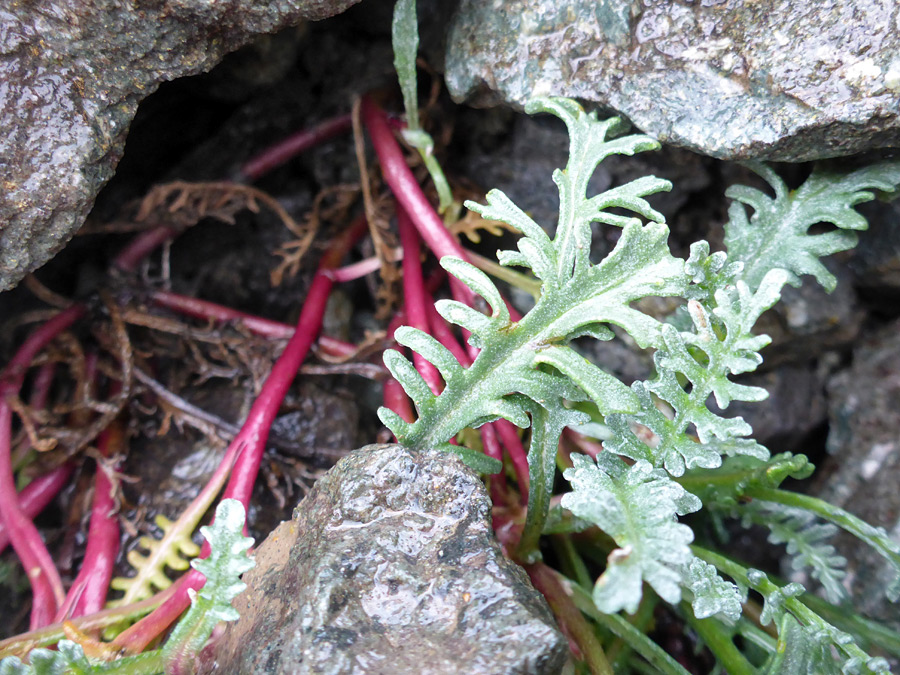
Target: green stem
{"x": 755, "y": 635}
{"x": 638, "y": 641}
{"x": 541, "y": 470}
{"x": 19, "y": 645}
{"x": 571, "y": 562}
{"x": 793, "y": 605}
{"x": 516, "y": 279}
{"x": 550, "y": 585}
{"x": 148, "y": 663}
{"x": 620, "y": 651}
{"x": 868, "y": 632}
{"x": 719, "y": 642}
{"x": 874, "y": 537}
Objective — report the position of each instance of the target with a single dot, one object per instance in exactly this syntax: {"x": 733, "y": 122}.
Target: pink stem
{"x": 14, "y": 374}
{"x": 88, "y": 593}
{"x": 203, "y": 309}
{"x": 513, "y": 445}
{"x": 407, "y": 191}
{"x": 582, "y": 443}
{"x": 265, "y": 408}
{"x": 430, "y": 226}
{"x": 40, "y": 390}
{"x": 45, "y": 582}
{"x": 415, "y": 296}
{"x": 46, "y": 586}
{"x": 393, "y": 394}
{"x": 293, "y": 145}
{"x": 251, "y": 440}
{"x": 355, "y": 271}
{"x": 141, "y": 246}
{"x": 35, "y": 496}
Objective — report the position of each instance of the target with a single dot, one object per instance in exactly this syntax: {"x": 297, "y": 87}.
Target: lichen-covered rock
{"x": 863, "y": 469}
{"x": 389, "y": 566}
{"x": 71, "y": 77}
{"x": 785, "y": 79}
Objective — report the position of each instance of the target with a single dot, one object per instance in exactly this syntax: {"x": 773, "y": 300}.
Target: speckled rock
{"x": 389, "y": 566}
{"x": 863, "y": 469}
{"x": 809, "y": 321}
{"x": 795, "y": 409}
{"x": 784, "y": 79}
{"x": 71, "y": 77}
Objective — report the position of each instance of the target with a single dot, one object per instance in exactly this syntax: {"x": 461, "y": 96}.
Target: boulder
{"x": 863, "y": 469}
{"x": 71, "y": 77}
{"x": 787, "y": 80}
{"x": 389, "y": 566}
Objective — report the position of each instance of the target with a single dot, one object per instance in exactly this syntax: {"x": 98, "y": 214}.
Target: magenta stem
{"x": 416, "y": 298}
{"x": 250, "y": 442}
{"x": 407, "y": 191}
{"x": 355, "y": 271}
{"x": 285, "y": 149}
{"x": 46, "y": 586}
{"x": 517, "y": 455}
{"x": 141, "y": 246}
{"x": 203, "y": 309}
{"x": 35, "y": 496}
{"x": 14, "y": 374}
{"x": 394, "y": 396}
{"x": 90, "y": 588}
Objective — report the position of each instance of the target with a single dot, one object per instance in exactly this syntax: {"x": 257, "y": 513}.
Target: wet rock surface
{"x": 168, "y": 468}
{"x": 389, "y": 566}
{"x": 787, "y": 80}
{"x": 72, "y": 76}
{"x": 863, "y": 469}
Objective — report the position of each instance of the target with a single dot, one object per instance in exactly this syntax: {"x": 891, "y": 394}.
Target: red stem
{"x": 14, "y": 374}
{"x": 393, "y": 394}
{"x": 570, "y": 618}
{"x": 251, "y": 440}
{"x": 46, "y": 585}
{"x": 279, "y": 153}
{"x": 141, "y": 246}
{"x": 203, "y": 309}
{"x": 517, "y": 455}
{"x": 356, "y": 270}
{"x": 416, "y": 299}
{"x": 88, "y": 593}
{"x": 406, "y": 189}
{"x": 35, "y": 496}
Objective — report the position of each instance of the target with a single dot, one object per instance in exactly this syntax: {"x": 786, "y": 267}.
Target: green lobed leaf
{"x": 227, "y": 561}
{"x": 478, "y": 461}
{"x": 777, "y": 235}
{"x": 637, "y": 506}
{"x": 67, "y": 659}
{"x": 807, "y": 541}
{"x": 712, "y": 595}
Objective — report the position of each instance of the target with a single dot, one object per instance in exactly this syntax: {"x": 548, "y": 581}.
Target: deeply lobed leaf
{"x": 638, "y": 510}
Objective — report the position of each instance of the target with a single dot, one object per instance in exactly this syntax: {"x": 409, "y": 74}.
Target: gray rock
{"x": 787, "y": 79}
{"x": 72, "y": 76}
{"x": 389, "y": 566}
{"x": 809, "y": 321}
{"x": 863, "y": 470}
{"x": 796, "y": 407}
